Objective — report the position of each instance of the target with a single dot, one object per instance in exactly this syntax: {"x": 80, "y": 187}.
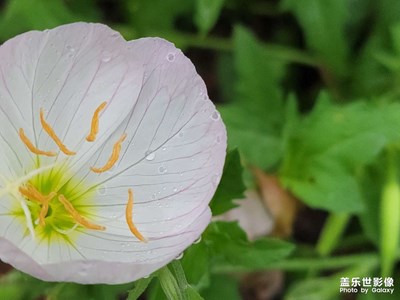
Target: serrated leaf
{"x": 254, "y": 117}
{"x": 329, "y": 145}
{"x": 158, "y": 16}
{"x": 207, "y": 13}
{"x": 231, "y": 249}
{"x": 23, "y": 15}
{"x": 231, "y": 185}
{"x": 195, "y": 262}
{"x": 323, "y": 23}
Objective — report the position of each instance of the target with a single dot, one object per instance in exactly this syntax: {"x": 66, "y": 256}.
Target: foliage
{"x": 309, "y": 92}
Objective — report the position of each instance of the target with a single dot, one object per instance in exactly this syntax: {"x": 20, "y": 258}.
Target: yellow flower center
{"x": 55, "y": 206}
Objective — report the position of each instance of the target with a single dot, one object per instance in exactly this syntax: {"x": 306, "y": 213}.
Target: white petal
{"x": 172, "y": 159}
{"x": 174, "y": 154}
{"x": 85, "y": 265}
{"x": 68, "y": 71}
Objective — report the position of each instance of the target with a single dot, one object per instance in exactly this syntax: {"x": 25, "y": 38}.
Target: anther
{"x": 94, "y": 129}
{"x": 31, "y": 147}
{"x": 76, "y": 216}
{"x": 34, "y": 195}
{"x": 113, "y": 158}
{"x": 45, "y": 207}
{"x": 129, "y": 221}
{"x": 53, "y": 135}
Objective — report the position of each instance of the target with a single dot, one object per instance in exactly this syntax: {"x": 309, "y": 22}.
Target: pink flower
{"x": 110, "y": 152}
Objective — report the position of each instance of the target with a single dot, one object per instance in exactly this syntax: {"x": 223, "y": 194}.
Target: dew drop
{"x": 115, "y": 35}
{"x": 162, "y": 170}
{"x": 102, "y": 190}
{"x": 164, "y": 148}
{"x": 70, "y": 48}
{"x": 218, "y": 139}
{"x": 215, "y": 116}
{"x": 106, "y": 57}
{"x": 181, "y": 134}
{"x": 175, "y": 189}
{"x": 179, "y": 256}
{"x": 197, "y": 241}
{"x": 171, "y": 57}
{"x": 150, "y": 155}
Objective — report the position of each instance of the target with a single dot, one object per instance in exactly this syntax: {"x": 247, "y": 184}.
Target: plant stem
{"x": 332, "y": 232}
{"x": 390, "y": 216}
{"x": 315, "y": 264}
{"x": 182, "y": 39}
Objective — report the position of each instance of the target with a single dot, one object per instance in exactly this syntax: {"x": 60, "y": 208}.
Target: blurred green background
{"x": 309, "y": 91}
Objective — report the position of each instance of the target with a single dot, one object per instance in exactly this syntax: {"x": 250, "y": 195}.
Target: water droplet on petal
{"x": 180, "y": 134}
{"x": 197, "y": 241}
{"x": 164, "y": 148}
{"x": 218, "y": 139}
{"x": 150, "y": 155}
{"x": 115, "y": 35}
{"x": 215, "y": 116}
{"x": 162, "y": 170}
{"x": 175, "y": 189}
{"x": 106, "y": 57}
{"x": 102, "y": 190}
{"x": 171, "y": 57}
{"x": 179, "y": 256}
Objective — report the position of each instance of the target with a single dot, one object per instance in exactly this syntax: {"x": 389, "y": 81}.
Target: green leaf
{"x": 231, "y": 185}
{"x": 222, "y": 287}
{"x": 323, "y": 23}
{"x": 169, "y": 284}
{"x": 254, "y": 117}
{"x": 17, "y": 285}
{"x": 207, "y": 13}
{"x": 196, "y": 264}
{"x": 140, "y": 287}
{"x": 23, "y": 15}
{"x": 148, "y": 17}
{"x": 328, "y": 146}
{"x": 231, "y": 250}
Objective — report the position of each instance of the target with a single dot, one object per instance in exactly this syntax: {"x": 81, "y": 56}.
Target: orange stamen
{"x": 28, "y": 194}
{"x": 76, "y": 216}
{"x": 94, "y": 129}
{"x": 46, "y": 126}
{"x": 45, "y": 207}
{"x": 113, "y": 158}
{"x": 31, "y": 147}
{"x": 129, "y": 221}
{"x": 33, "y": 194}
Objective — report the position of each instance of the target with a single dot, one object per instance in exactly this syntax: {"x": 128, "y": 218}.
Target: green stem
{"x": 314, "y": 264}
{"x": 332, "y": 233}
{"x": 169, "y": 285}
{"x": 140, "y": 287}
{"x": 222, "y": 44}
{"x": 390, "y": 216}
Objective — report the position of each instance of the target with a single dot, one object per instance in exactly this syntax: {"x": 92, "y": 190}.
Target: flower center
{"x": 55, "y": 208}
{"x": 48, "y": 204}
